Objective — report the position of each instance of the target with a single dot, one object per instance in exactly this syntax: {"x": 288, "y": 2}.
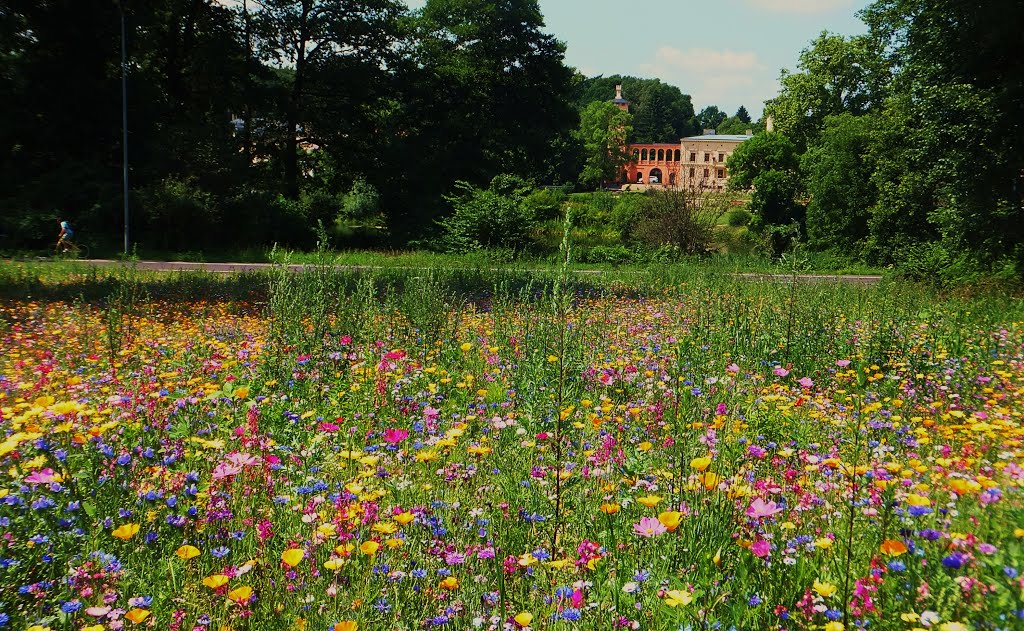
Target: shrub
{"x": 485, "y": 218}
{"x": 545, "y": 203}
{"x": 680, "y": 218}
{"x": 613, "y": 254}
{"x": 362, "y": 201}
{"x": 738, "y": 217}
{"x": 177, "y": 214}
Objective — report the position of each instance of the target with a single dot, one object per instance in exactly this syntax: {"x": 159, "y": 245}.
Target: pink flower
{"x": 393, "y": 436}
{"x": 780, "y": 371}
{"x": 733, "y": 368}
{"x": 805, "y": 382}
{"x": 649, "y": 527}
{"x": 760, "y": 508}
{"x": 843, "y": 363}
{"x": 761, "y": 548}
{"x": 242, "y": 460}
{"x": 226, "y": 470}
{"x": 327, "y": 427}
{"x": 44, "y": 476}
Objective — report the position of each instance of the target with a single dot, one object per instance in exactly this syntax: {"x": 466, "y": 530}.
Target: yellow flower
{"x": 137, "y": 615}
{"x": 216, "y": 580}
{"x": 92, "y": 627}
{"x": 369, "y": 548}
{"x": 835, "y": 625}
{"x": 825, "y": 590}
{"x": 610, "y": 509}
{"x": 385, "y": 527}
{"x": 670, "y": 520}
{"x": 700, "y": 464}
{"x": 450, "y": 583}
{"x": 187, "y": 552}
{"x": 126, "y": 531}
{"x": 426, "y": 455}
{"x": 823, "y": 543}
{"x": 650, "y": 501}
{"x": 404, "y": 518}
{"x": 710, "y": 480}
{"x": 557, "y": 565}
{"x": 240, "y": 594}
{"x": 910, "y": 616}
{"x": 347, "y": 625}
{"x": 39, "y": 627}
{"x": 466, "y": 346}
{"x": 953, "y": 626}
{"x": 1018, "y": 532}
{"x": 524, "y": 618}
{"x": 241, "y": 393}
{"x": 334, "y": 564}
{"x": 676, "y": 597}
{"x": 292, "y": 556}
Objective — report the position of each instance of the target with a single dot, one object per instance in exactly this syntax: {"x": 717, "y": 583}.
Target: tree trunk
{"x": 291, "y": 157}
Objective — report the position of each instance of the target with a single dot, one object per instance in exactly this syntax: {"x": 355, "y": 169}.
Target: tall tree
{"x": 603, "y": 131}
{"x": 661, "y": 112}
{"x": 711, "y": 117}
{"x": 836, "y": 75}
{"x": 743, "y": 115}
{"x": 328, "y": 43}
{"x": 959, "y": 89}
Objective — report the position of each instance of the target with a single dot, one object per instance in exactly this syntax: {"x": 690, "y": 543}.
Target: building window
{"x": 721, "y": 173}
{"x": 672, "y": 178}
{"x": 721, "y": 157}
{"x": 661, "y": 155}
{"x": 636, "y": 155}
{"x": 677, "y": 155}
{"x": 705, "y": 173}
{"x": 691, "y": 172}
{"x": 693, "y": 157}
{"x": 707, "y": 157}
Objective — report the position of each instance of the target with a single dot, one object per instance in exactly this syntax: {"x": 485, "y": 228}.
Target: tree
{"x": 733, "y": 125}
{"x": 710, "y": 117}
{"x": 836, "y": 75}
{"x": 958, "y": 97}
{"x": 603, "y": 131}
{"x": 743, "y": 115}
{"x": 769, "y": 151}
{"x": 838, "y": 174}
{"x": 661, "y": 112}
{"x": 327, "y": 43}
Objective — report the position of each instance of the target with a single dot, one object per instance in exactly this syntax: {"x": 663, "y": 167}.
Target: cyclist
{"x": 66, "y": 234}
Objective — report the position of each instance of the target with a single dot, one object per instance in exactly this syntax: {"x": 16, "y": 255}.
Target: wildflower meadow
{"x": 459, "y": 449}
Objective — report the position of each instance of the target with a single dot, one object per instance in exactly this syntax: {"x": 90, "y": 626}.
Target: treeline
{"x": 903, "y": 146}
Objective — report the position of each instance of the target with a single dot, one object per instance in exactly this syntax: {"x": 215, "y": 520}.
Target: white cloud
{"x": 727, "y": 78}
{"x": 806, "y": 7}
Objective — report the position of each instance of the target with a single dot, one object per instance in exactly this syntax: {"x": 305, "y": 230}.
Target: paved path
{"x": 234, "y": 268}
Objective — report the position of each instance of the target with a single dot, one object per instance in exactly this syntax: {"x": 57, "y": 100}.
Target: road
{"x": 235, "y": 268}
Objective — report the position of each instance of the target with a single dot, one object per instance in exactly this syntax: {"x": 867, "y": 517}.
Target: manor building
{"x": 695, "y": 163}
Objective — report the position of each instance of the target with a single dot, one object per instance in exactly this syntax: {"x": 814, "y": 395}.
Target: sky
{"x": 726, "y": 53}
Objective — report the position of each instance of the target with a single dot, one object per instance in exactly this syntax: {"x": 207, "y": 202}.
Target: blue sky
{"x": 727, "y": 53}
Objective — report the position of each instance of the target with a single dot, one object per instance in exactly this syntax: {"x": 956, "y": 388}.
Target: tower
{"x": 620, "y": 102}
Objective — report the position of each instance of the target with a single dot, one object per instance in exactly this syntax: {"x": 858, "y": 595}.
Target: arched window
{"x": 643, "y": 156}
{"x": 636, "y": 155}
{"x": 661, "y": 155}
{"x": 678, "y": 155}
{"x": 672, "y": 177}
{"x": 639, "y": 177}
{"x": 655, "y": 177}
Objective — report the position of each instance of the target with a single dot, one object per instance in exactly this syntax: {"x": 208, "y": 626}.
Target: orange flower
{"x": 292, "y": 556}
{"x": 450, "y": 583}
{"x": 347, "y": 625}
{"x": 893, "y": 548}
{"x": 610, "y": 509}
{"x": 126, "y": 531}
{"x": 137, "y": 615}
{"x": 187, "y": 552}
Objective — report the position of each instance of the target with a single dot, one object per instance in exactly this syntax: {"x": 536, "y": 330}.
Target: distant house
{"x": 695, "y": 163}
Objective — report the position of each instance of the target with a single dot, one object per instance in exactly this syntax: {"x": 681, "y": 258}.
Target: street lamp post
{"x": 124, "y": 122}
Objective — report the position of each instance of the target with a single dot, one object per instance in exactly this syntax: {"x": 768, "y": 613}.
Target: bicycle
{"x": 70, "y": 249}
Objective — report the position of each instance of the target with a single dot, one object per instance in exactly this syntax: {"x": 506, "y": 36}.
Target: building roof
{"x": 620, "y": 101}
{"x": 737, "y": 137}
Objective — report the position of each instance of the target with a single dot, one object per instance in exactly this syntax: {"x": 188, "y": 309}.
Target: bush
{"x": 486, "y": 218}
{"x": 177, "y": 214}
{"x": 738, "y": 217}
{"x": 680, "y": 218}
{"x": 613, "y": 254}
{"x": 545, "y": 203}
{"x": 361, "y": 202}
